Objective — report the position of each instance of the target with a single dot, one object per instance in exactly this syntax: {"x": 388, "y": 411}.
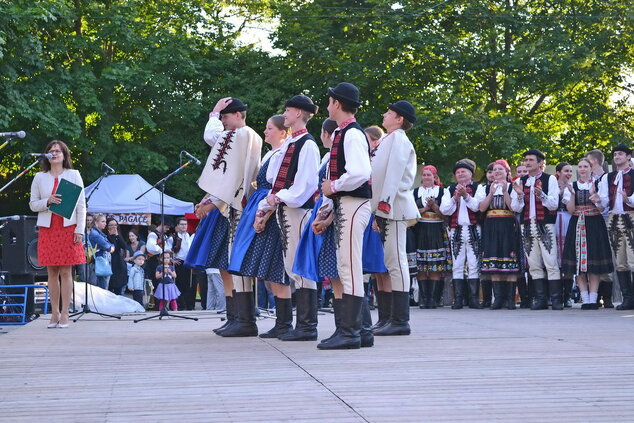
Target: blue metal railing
{"x": 16, "y": 310}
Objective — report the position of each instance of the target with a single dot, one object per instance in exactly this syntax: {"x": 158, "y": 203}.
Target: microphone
{"x": 192, "y": 158}
{"x": 41, "y": 155}
{"x": 108, "y": 168}
{"x": 19, "y": 134}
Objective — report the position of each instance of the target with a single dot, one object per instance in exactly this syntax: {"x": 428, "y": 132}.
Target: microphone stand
{"x": 4, "y": 144}
{"x": 85, "y": 307}
{"x": 161, "y": 184}
{"x": 19, "y": 175}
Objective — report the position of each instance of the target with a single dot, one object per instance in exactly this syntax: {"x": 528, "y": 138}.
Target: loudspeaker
{"x": 19, "y": 247}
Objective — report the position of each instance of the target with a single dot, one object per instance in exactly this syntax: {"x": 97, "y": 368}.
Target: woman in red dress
{"x": 59, "y": 245}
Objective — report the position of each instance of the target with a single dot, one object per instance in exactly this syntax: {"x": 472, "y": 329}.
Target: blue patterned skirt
{"x": 257, "y": 255}
{"x": 201, "y": 245}
{"x": 373, "y": 257}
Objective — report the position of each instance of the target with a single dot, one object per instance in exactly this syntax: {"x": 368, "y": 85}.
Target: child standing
{"x": 166, "y": 290}
{"x": 136, "y": 277}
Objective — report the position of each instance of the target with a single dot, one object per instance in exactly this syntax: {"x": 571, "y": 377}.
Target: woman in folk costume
{"x": 257, "y": 249}
{"x": 563, "y": 173}
{"x": 231, "y": 167}
{"x": 293, "y": 176}
{"x": 587, "y": 259}
{"x": 393, "y": 173}
{"x": 433, "y": 252}
{"x": 500, "y": 232}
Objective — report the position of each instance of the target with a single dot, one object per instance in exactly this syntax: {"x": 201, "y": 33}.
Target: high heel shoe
{"x": 63, "y": 325}
{"x": 52, "y": 325}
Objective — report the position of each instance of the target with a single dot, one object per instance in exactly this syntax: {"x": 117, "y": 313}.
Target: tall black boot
{"x": 428, "y": 290}
{"x": 367, "y": 337}
{"x": 539, "y": 288}
{"x": 306, "y": 326}
{"x": 336, "y": 308}
{"x": 510, "y": 295}
{"x": 522, "y": 288}
{"x": 556, "y": 289}
{"x": 384, "y": 300}
{"x": 625, "y": 280}
{"x": 465, "y": 294}
{"x": 458, "y": 289}
{"x": 399, "y": 324}
{"x": 349, "y": 336}
{"x": 230, "y": 313}
{"x": 605, "y": 293}
{"x": 567, "y": 283}
{"x": 486, "y": 293}
{"x": 474, "y": 293}
{"x": 244, "y": 325}
{"x": 283, "y": 318}
{"x": 439, "y": 288}
{"x": 422, "y": 298}
{"x": 498, "y": 291}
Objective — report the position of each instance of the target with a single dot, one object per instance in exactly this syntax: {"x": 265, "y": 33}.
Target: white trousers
{"x": 291, "y": 222}
{"x": 352, "y": 215}
{"x": 540, "y": 243}
{"x": 394, "y": 249}
{"x": 465, "y": 247}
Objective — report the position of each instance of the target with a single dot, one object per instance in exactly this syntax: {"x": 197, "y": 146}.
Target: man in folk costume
{"x": 393, "y": 174}
{"x": 536, "y": 198}
{"x": 231, "y": 166}
{"x": 459, "y": 203}
{"x": 348, "y": 185}
{"x": 616, "y": 191}
{"x": 294, "y": 176}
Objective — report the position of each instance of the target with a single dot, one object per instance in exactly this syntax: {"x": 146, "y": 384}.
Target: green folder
{"x": 70, "y": 195}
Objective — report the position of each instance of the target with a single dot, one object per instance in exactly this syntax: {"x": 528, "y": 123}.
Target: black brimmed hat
{"x": 346, "y": 93}
{"x": 623, "y": 148}
{"x": 303, "y": 103}
{"x": 463, "y": 165}
{"x": 534, "y": 152}
{"x": 405, "y": 109}
{"x": 236, "y": 105}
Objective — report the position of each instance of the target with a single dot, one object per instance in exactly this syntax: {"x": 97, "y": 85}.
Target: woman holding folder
{"x": 59, "y": 245}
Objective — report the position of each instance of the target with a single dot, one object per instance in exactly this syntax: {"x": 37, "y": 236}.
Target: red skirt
{"x": 56, "y": 246}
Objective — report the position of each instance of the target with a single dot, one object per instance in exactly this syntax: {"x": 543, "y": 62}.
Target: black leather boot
{"x": 306, "y": 326}
{"x": 556, "y": 294}
{"x": 465, "y": 294}
{"x": 336, "y": 308}
{"x": 428, "y": 290}
{"x": 605, "y": 294}
{"x": 539, "y": 288}
{"x": 458, "y": 288}
{"x": 230, "y": 313}
{"x": 283, "y": 318}
{"x": 474, "y": 293}
{"x": 384, "y": 300}
{"x": 625, "y": 281}
{"x": 439, "y": 288}
{"x": 349, "y": 336}
{"x": 486, "y": 293}
{"x": 367, "y": 337}
{"x": 498, "y": 291}
{"x": 522, "y": 288}
{"x": 567, "y": 283}
{"x": 422, "y": 298}
{"x": 510, "y": 295}
{"x": 399, "y": 324}
{"x": 244, "y": 324}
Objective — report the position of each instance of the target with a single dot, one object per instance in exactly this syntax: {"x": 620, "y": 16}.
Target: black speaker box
{"x": 19, "y": 247}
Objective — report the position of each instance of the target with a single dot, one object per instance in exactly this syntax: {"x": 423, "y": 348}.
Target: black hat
{"x": 534, "y": 152}
{"x": 405, "y": 109}
{"x": 236, "y": 105}
{"x": 303, "y": 103}
{"x": 462, "y": 165}
{"x": 346, "y": 93}
{"x": 623, "y": 148}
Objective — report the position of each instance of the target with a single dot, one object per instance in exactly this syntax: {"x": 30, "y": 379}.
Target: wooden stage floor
{"x": 467, "y": 365}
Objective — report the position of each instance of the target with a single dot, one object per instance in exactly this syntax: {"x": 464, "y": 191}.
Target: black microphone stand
{"x": 85, "y": 307}
{"x": 161, "y": 184}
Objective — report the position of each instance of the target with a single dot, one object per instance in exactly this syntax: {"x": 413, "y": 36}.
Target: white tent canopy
{"x": 117, "y": 193}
